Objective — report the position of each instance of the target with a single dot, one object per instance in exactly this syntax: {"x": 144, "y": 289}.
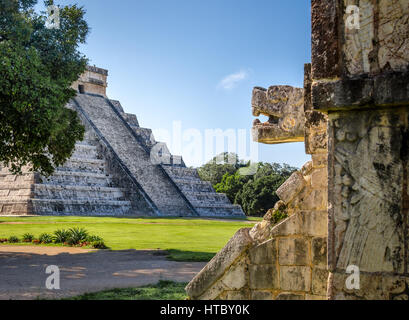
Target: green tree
{"x": 37, "y": 67}
{"x": 258, "y": 196}
{"x": 215, "y": 169}
{"x": 231, "y": 184}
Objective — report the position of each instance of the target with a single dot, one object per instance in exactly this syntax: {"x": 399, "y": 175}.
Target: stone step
{"x": 7, "y": 177}
{"x": 14, "y": 186}
{"x": 189, "y": 185}
{"x": 177, "y": 161}
{"x": 145, "y": 135}
{"x": 123, "y": 140}
{"x": 49, "y": 191}
{"x": 207, "y": 198}
{"x": 85, "y": 151}
{"x": 219, "y": 210}
{"x": 81, "y": 207}
{"x": 12, "y": 207}
{"x": 84, "y": 165}
{"x": 15, "y": 192}
{"x": 88, "y": 136}
{"x": 182, "y": 173}
{"x": 79, "y": 178}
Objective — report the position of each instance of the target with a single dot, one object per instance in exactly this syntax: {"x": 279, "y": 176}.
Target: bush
{"x": 92, "y": 238}
{"x": 278, "y": 216}
{"x": 46, "y": 238}
{"x": 77, "y": 236}
{"x": 13, "y": 239}
{"x": 28, "y": 237}
{"x": 99, "y": 245}
{"x": 61, "y": 236}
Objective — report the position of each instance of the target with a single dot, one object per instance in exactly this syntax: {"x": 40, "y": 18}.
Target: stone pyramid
{"x": 112, "y": 171}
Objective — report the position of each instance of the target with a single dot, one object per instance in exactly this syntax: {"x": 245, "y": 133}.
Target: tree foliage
{"x": 37, "y": 67}
{"x": 216, "y": 168}
{"x": 255, "y": 189}
{"x": 258, "y": 196}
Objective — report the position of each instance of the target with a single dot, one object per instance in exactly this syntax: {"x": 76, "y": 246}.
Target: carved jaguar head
{"x": 284, "y": 105}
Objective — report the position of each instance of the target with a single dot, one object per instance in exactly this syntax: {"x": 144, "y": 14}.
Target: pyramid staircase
{"x": 111, "y": 174}
{"x": 80, "y": 187}
{"x": 200, "y": 194}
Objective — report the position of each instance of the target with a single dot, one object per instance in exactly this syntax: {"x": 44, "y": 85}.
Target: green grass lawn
{"x": 164, "y": 290}
{"x": 186, "y": 239}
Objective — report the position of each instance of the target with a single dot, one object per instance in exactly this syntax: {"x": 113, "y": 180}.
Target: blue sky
{"x": 194, "y": 63}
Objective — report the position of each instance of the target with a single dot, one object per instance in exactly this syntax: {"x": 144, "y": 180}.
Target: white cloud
{"x": 232, "y": 80}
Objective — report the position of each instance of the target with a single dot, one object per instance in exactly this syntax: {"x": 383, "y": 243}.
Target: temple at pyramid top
{"x": 93, "y": 80}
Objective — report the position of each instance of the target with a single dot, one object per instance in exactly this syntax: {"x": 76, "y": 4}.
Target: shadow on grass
{"x": 189, "y": 256}
{"x": 164, "y": 290}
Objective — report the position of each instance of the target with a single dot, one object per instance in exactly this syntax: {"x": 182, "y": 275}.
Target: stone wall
{"x": 283, "y": 261}
{"x": 360, "y": 79}
{"x": 286, "y": 261}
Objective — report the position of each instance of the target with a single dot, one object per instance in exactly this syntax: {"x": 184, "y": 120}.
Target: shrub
{"x": 93, "y": 239}
{"x": 28, "y": 237}
{"x": 61, "y": 236}
{"x": 13, "y": 239}
{"x": 99, "y": 245}
{"x": 46, "y": 238}
{"x": 278, "y": 216}
{"x": 77, "y": 236}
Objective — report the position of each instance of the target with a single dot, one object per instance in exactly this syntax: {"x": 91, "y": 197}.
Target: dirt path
{"x": 23, "y": 276}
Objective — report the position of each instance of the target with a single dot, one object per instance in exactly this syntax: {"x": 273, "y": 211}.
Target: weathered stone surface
{"x": 293, "y": 252}
{"x": 261, "y": 231}
{"x": 237, "y": 276}
{"x": 368, "y": 166}
{"x": 291, "y": 187}
{"x": 325, "y": 46}
{"x": 312, "y": 224}
{"x": 389, "y": 89}
{"x": 290, "y": 296}
{"x": 311, "y": 297}
{"x": 284, "y": 107}
{"x": 263, "y": 277}
{"x": 236, "y": 295}
{"x": 372, "y": 287}
{"x": 381, "y": 43}
{"x": 316, "y": 137}
{"x": 214, "y": 292}
{"x": 261, "y": 295}
{"x": 295, "y": 278}
{"x": 319, "y": 178}
{"x": 320, "y": 160}
{"x": 367, "y": 104}
{"x": 265, "y": 253}
{"x": 92, "y": 80}
{"x": 319, "y": 281}
{"x": 319, "y": 251}
{"x": 215, "y": 269}
{"x": 307, "y": 87}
